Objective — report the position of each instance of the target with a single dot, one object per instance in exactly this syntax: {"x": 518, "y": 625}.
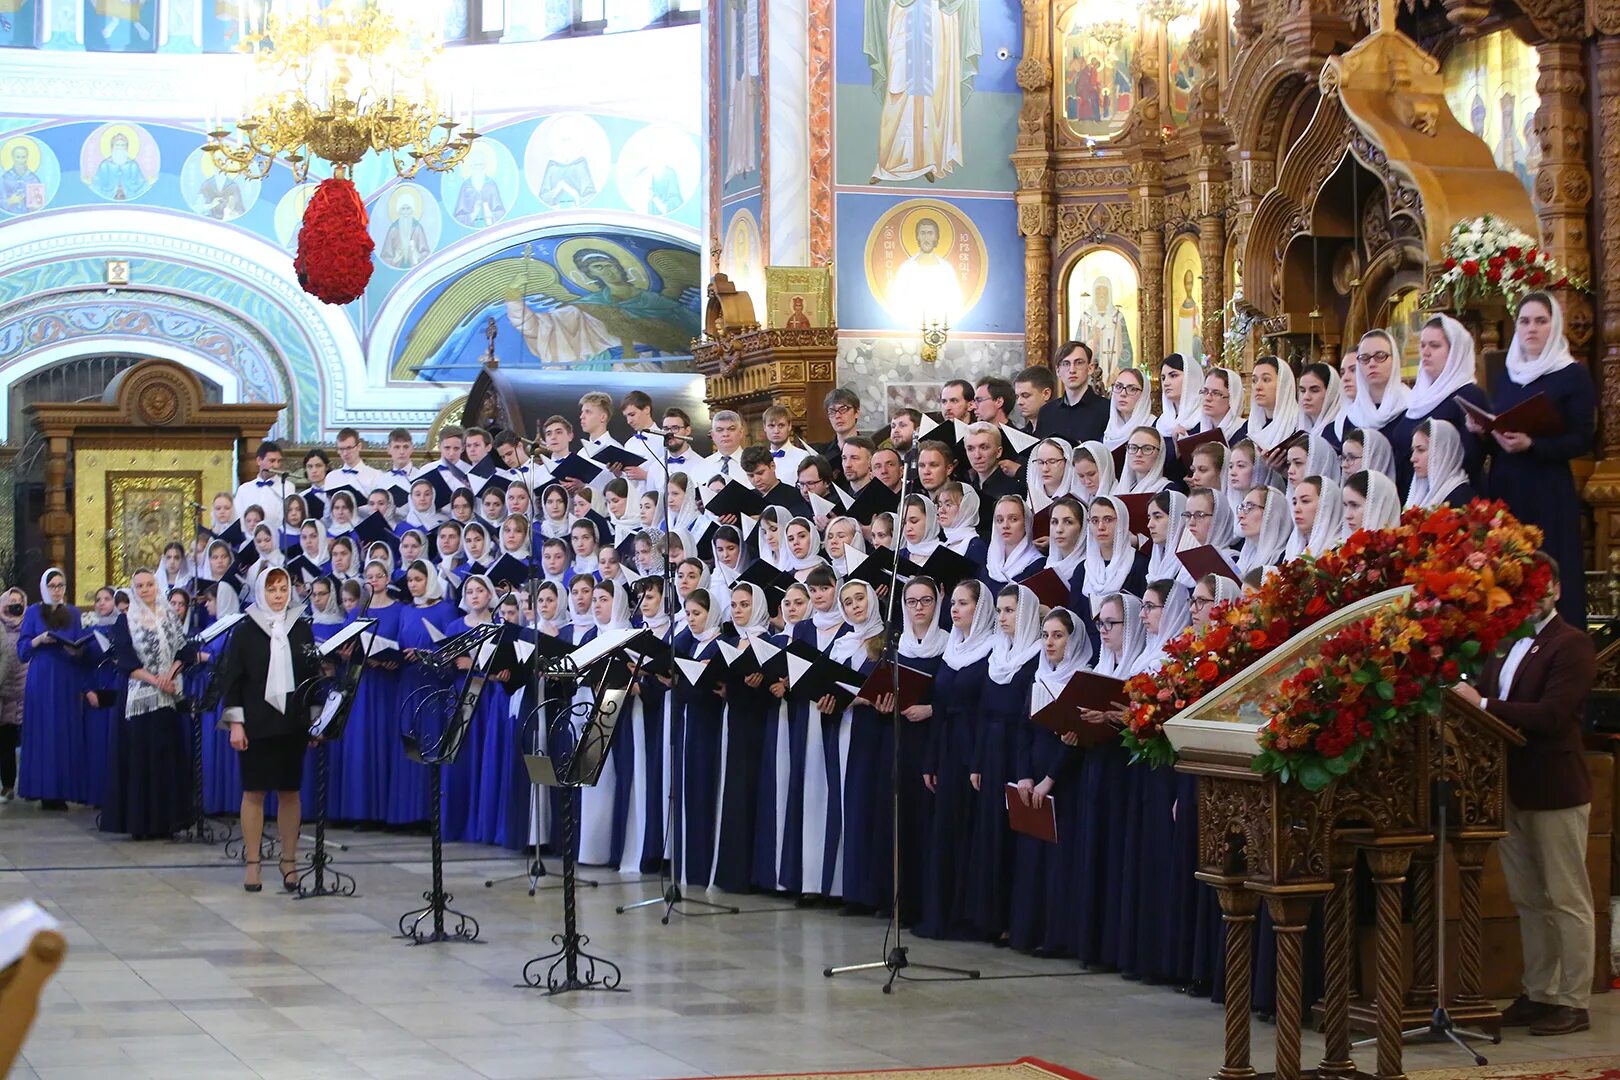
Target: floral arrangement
{"x": 334, "y": 247}
{"x": 1486, "y": 256}
{"x": 1475, "y": 587}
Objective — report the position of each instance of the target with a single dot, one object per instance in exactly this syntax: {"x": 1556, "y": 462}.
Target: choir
{"x": 1022, "y": 555}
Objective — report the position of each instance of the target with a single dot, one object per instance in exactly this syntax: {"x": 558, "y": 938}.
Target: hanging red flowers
{"x": 334, "y": 247}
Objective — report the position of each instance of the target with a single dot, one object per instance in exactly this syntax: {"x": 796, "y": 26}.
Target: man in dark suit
{"x": 1078, "y": 414}
{"x": 844, "y": 414}
{"x": 1540, "y": 687}
{"x": 985, "y": 475}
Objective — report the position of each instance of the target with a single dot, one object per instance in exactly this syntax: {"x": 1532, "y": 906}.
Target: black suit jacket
{"x": 1547, "y": 702}
{"x": 994, "y": 487}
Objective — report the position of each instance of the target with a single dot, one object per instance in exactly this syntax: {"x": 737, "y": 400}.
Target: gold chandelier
{"x": 332, "y": 83}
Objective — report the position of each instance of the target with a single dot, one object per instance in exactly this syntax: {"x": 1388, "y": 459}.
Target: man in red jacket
{"x": 1540, "y": 687}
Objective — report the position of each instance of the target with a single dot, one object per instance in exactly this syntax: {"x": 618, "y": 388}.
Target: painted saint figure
{"x": 618, "y": 313}
{"x": 742, "y": 99}
{"x": 406, "y": 244}
{"x": 924, "y": 55}
{"x": 119, "y": 176}
{"x": 926, "y": 284}
{"x": 1188, "y": 336}
{"x": 479, "y": 202}
{"x": 21, "y": 189}
{"x": 1104, "y": 329}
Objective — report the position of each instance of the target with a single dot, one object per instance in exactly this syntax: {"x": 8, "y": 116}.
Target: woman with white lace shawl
{"x": 1439, "y": 473}
{"x": 1370, "y": 502}
{"x": 260, "y": 676}
{"x": 148, "y": 784}
{"x": 1318, "y": 513}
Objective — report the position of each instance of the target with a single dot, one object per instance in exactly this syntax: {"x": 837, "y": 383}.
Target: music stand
{"x": 202, "y": 698}
{"x": 336, "y": 701}
{"x": 578, "y": 764}
{"x": 460, "y": 705}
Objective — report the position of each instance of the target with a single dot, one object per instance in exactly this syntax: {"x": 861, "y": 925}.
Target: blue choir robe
{"x": 102, "y": 675}
{"x": 148, "y": 788}
{"x": 1003, "y": 709}
{"x": 1401, "y": 431}
{"x": 748, "y": 710}
{"x": 363, "y": 759}
{"x": 811, "y": 833}
{"x": 916, "y": 805}
{"x": 702, "y": 720}
{"x": 222, "y": 776}
{"x": 461, "y": 779}
{"x": 1046, "y": 879}
{"x": 642, "y": 806}
{"x": 1537, "y": 484}
{"x": 952, "y": 738}
{"x": 424, "y": 705}
{"x": 56, "y": 744}
{"x": 771, "y": 836}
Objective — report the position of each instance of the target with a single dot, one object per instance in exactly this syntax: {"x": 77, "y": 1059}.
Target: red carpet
{"x": 1022, "y": 1069}
{"x": 1594, "y": 1068}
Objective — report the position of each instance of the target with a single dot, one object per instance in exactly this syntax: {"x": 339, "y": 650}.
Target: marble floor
{"x": 175, "y": 972}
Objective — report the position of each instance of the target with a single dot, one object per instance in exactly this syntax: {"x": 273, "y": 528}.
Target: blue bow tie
{"x": 264, "y": 483}
{"x": 778, "y": 453}
{"x": 351, "y": 472}
{"x": 398, "y": 472}
{"x": 677, "y": 459}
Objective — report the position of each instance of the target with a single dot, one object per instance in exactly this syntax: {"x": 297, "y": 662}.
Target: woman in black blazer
{"x": 264, "y": 676}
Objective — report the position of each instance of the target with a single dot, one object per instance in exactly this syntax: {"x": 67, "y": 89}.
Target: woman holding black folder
{"x": 268, "y": 663}
{"x": 1532, "y": 474}
{"x": 56, "y": 740}
{"x": 701, "y": 708}
{"x": 807, "y": 869}
{"x": 750, "y": 705}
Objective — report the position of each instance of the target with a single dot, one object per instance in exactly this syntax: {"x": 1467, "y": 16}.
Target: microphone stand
{"x": 669, "y": 873}
{"x": 896, "y": 956}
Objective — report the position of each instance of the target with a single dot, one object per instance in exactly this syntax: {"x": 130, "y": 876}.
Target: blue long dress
{"x": 771, "y": 828}
{"x": 499, "y": 799}
{"x": 702, "y": 720}
{"x": 808, "y": 824}
{"x": 748, "y": 710}
{"x": 1045, "y": 876}
{"x": 1104, "y": 786}
{"x": 864, "y": 810}
{"x": 1004, "y": 708}
{"x": 458, "y": 813}
{"x": 655, "y": 702}
{"x": 222, "y": 777}
{"x": 916, "y": 807}
{"x": 950, "y": 754}
{"x": 363, "y": 758}
{"x": 1401, "y": 431}
{"x": 407, "y": 802}
{"x": 101, "y": 674}
{"x": 56, "y": 742}
{"x": 1537, "y": 484}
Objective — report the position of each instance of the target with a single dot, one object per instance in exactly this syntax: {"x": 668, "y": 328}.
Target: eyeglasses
{"x": 917, "y": 603}
{"x": 1250, "y": 508}
{"x": 840, "y": 410}
{"x": 1372, "y": 357}
{"x": 1049, "y": 461}
{"x": 977, "y": 400}
{"x": 1147, "y": 607}
{"x": 1141, "y": 448}
{"x": 1198, "y": 602}
{"x": 1196, "y": 515}
{"x": 1109, "y": 624}
{"x": 1099, "y": 522}
{"x": 1211, "y": 392}
{"x": 1351, "y": 462}
{"x": 1126, "y": 388}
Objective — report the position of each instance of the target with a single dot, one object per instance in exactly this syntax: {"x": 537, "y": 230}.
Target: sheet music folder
{"x": 1039, "y": 821}
{"x": 916, "y": 687}
{"x": 1085, "y": 690}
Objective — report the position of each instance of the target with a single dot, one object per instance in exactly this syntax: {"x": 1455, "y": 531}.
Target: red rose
{"x": 1512, "y": 251}
{"x": 1470, "y": 267}
{"x": 1451, "y": 264}
{"x": 1532, "y": 255}
{"x": 1537, "y": 277}
{"x": 1496, "y": 262}
{"x": 1493, "y": 276}
{"x": 1207, "y": 670}
{"x": 1561, "y": 283}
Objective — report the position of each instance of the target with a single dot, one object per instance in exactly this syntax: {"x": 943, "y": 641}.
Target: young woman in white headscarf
{"x": 1370, "y": 502}
{"x": 57, "y": 744}
{"x": 1112, "y": 564}
{"x": 465, "y": 779}
{"x": 1012, "y": 555}
{"x": 1145, "y": 461}
{"x": 610, "y": 613}
{"x": 750, "y": 705}
{"x": 777, "y": 845}
{"x": 1093, "y": 471}
{"x": 1003, "y": 716}
{"x": 1318, "y": 513}
{"x": 1180, "y": 380}
{"x": 1264, "y": 519}
{"x": 1066, "y": 547}
{"x": 429, "y": 614}
{"x": 1531, "y": 474}
{"x": 1369, "y": 450}
{"x": 1446, "y": 372}
{"x": 1046, "y": 880}
{"x": 148, "y": 793}
{"x": 852, "y": 794}
{"x": 261, "y": 677}
{"x": 1273, "y": 414}
{"x": 1221, "y": 403}
{"x": 701, "y": 712}
{"x": 1439, "y": 475}
{"x": 1051, "y": 474}
{"x": 1131, "y": 407}
{"x": 1309, "y": 455}
{"x": 810, "y": 855}
{"x": 959, "y": 510}
{"x": 1322, "y": 403}
{"x": 959, "y": 686}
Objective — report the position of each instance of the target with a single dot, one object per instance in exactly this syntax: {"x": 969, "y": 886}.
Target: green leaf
{"x": 1469, "y": 648}
{"x": 1336, "y": 765}
{"x": 1315, "y": 776}
{"x": 1385, "y": 690}
{"x": 1365, "y": 674}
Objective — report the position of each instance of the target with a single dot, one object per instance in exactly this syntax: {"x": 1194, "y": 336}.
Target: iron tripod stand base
{"x": 897, "y": 961}
{"x": 673, "y": 897}
{"x": 320, "y": 877}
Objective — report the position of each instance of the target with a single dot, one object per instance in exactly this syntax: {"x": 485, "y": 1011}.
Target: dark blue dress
{"x": 56, "y": 741}
{"x": 748, "y": 710}
{"x": 863, "y": 811}
{"x": 1004, "y": 710}
{"x": 407, "y": 799}
{"x": 1046, "y": 880}
{"x": 1401, "y": 431}
{"x": 953, "y": 735}
{"x": 655, "y": 703}
{"x": 1537, "y": 484}
{"x": 101, "y": 674}
{"x": 148, "y": 793}
{"x": 364, "y": 757}
{"x": 702, "y": 714}
{"x": 801, "y": 715}
{"x": 771, "y": 828}
{"x": 458, "y": 809}
{"x": 222, "y": 777}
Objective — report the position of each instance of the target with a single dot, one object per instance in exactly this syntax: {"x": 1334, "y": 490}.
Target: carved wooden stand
{"x": 1259, "y": 838}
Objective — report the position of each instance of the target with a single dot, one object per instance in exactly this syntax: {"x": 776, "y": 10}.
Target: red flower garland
{"x": 334, "y": 247}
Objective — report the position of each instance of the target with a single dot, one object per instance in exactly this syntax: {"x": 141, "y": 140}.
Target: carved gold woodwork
{"x": 751, "y": 370}
{"x": 1262, "y": 839}
{"x": 153, "y": 418}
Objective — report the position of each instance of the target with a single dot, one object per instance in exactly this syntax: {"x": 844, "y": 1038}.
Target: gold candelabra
{"x": 934, "y": 334}
{"x": 332, "y": 84}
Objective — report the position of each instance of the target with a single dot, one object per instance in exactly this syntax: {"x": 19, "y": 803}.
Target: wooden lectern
{"x": 20, "y": 987}
{"x": 1264, "y": 840}
{"x": 750, "y": 367}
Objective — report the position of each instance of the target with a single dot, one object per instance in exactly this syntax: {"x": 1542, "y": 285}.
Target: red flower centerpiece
{"x": 334, "y": 247}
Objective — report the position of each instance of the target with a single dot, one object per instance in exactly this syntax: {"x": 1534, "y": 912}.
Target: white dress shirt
{"x": 362, "y": 477}
{"x": 1514, "y": 658}
{"x": 716, "y": 464}
{"x": 268, "y": 495}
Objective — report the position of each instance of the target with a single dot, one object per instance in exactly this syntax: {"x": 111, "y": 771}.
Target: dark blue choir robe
{"x": 148, "y": 787}
{"x": 952, "y": 738}
{"x": 425, "y": 703}
{"x": 1004, "y": 709}
{"x": 1401, "y": 431}
{"x": 812, "y": 801}
{"x": 1046, "y": 879}
{"x": 702, "y": 714}
{"x": 364, "y": 757}
{"x": 56, "y": 743}
{"x": 748, "y": 710}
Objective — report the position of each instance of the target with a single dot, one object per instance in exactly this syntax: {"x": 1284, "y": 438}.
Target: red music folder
{"x": 1039, "y": 821}
{"x": 1185, "y": 447}
{"x": 1534, "y": 417}
{"x": 1203, "y": 561}
{"x": 1138, "y": 503}
{"x": 916, "y": 687}
{"x": 1048, "y": 588}
{"x": 1085, "y": 690}
{"x": 1040, "y": 526}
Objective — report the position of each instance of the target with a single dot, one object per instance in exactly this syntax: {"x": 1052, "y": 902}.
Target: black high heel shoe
{"x": 289, "y": 878}
{"x": 254, "y": 886}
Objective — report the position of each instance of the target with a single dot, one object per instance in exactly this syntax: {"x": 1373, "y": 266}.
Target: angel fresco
{"x": 618, "y": 312}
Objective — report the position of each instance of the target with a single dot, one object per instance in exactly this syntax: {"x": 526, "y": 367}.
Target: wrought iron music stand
{"x": 580, "y": 765}
{"x": 337, "y": 700}
{"x": 669, "y": 874}
{"x": 897, "y": 957}
{"x": 201, "y": 698}
{"x": 451, "y": 711}
{"x": 1441, "y": 1025}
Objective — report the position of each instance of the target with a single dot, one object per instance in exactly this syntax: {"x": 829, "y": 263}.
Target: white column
{"x": 789, "y": 80}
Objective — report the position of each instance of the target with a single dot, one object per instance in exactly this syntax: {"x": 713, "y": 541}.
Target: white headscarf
{"x": 1222, "y": 527}
{"x": 1376, "y": 453}
{"x": 759, "y": 614}
{"x": 1429, "y": 394}
{"x": 426, "y": 520}
{"x": 920, "y": 551}
{"x": 157, "y": 637}
{"x": 618, "y": 615}
{"x": 332, "y": 613}
{"x": 1176, "y": 617}
{"x": 1269, "y": 428}
{"x": 1524, "y": 369}
{"x": 840, "y": 563}
{"x": 1332, "y": 404}
{"x": 279, "y": 682}
{"x": 1104, "y": 576}
{"x": 932, "y": 642}
{"x": 1002, "y": 564}
{"x": 1009, "y": 653}
{"x": 827, "y": 623}
{"x": 1162, "y": 561}
{"x": 1185, "y": 415}
{"x": 554, "y": 527}
{"x": 1446, "y": 472}
{"x": 1362, "y": 412}
{"x": 794, "y": 562}
{"x": 1320, "y": 460}
{"x": 323, "y": 550}
{"x": 1050, "y": 679}
{"x": 226, "y": 600}
{"x": 962, "y": 650}
{"x": 711, "y": 629}
{"x": 1105, "y": 471}
{"x": 181, "y": 580}
{"x": 1234, "y": 404}
{"x": 777, "y": 557}
{"x": 1151, "y": 481}
{"x": 1328, "y": 527}
{"x": 1276, "y": 521}
{"x": 1038, "y": 498}
{"x": 1065, "y": 563}
{"x": 582, "y": 621}
{"x": 966, "y": 529}
{"x": 434, "y": 592}
{"x": 851, "y": 648}
{"x": 1118, "y": 665}
{"x": 1383, "y": 510}
{"x": 1120, "y": 427}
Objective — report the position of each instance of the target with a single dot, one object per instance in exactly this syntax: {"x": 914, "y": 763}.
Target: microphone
{"x": 283, "y": 473}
